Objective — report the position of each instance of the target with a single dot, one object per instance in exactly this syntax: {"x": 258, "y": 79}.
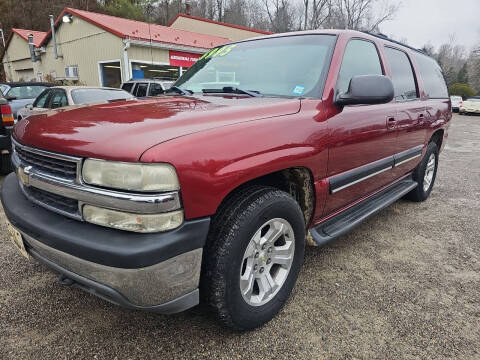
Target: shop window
{"x": 152, "y": 71}
{"x": 110, "y": 74}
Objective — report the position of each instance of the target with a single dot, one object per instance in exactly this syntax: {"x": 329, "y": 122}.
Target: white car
{"x": 60, "y": 96}
{"x": 470, "y": 106}
{"x": 456, "y": 102}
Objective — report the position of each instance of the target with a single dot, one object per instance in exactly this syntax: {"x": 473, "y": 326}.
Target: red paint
{"x": 180, "y": 58}
{"x": 137, "y": 30}
{"x": 217, "y": 143}
{"x": 219, "y": 23}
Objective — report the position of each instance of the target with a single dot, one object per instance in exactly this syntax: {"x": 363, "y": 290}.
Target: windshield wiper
{"x": 232, "y": 90}
{"x": 180, "y": 90}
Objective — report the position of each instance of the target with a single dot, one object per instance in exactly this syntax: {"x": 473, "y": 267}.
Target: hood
{"x": 124, "y": 130}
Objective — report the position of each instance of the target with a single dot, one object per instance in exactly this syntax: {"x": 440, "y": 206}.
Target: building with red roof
{"x": 98, "y": 49}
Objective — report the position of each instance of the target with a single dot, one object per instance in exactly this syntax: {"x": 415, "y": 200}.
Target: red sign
{"x": 180, "y": 58}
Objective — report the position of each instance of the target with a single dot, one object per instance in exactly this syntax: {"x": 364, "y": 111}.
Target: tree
{"x": 463, "y": 90}
{"x": 462, "y": 76}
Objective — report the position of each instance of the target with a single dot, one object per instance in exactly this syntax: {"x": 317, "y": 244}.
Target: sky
{"x": 434, "y": 21}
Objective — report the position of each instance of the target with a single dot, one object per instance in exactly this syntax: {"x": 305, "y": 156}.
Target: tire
{"x": 255, "y": 211}
{"x": 5, "y": 164}
{"x": 422, "y": 191}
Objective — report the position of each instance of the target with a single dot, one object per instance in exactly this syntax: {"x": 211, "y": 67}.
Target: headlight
{"x": 130, "y": 176}
{"x": 133, "y": 222}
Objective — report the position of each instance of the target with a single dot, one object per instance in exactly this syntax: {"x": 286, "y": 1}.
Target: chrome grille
{"x": 46, "y": 164}
{"x": 50, "y": 200}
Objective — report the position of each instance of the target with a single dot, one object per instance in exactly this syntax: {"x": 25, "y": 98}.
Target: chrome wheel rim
{"x": 429, "y": 172}
{"x": 267, "y": 262}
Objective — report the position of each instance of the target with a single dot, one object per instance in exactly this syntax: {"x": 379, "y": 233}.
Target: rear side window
{"x": 141, "y": 90}
{"x": 360, "y": 58}
{"x": 402, "y": 74}
{"x": 127, "y": 87}
{"x": 432, "y": 76}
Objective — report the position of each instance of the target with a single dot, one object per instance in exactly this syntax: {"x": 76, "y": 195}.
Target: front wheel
{"x": 425, "y": 174}
{"x": 253, "y": 257}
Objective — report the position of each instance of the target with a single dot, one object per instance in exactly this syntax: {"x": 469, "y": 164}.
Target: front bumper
{"x": 158, "y": 272}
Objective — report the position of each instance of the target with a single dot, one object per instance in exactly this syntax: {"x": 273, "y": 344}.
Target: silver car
{"x": 147, "y": 87}
{"x": 18, "y": 94}
{"x": 60, "y": 96}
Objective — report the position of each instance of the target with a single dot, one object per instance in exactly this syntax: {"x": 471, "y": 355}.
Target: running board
{"x": 350, "y": 218}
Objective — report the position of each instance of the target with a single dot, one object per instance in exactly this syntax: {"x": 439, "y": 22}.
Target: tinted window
{"x": 402, "y": 74}
{"x": 26, "y": 92}
{"x": 284, "y": 66}
{"x": 141, "y": 90}
{"x": 85, "y": 96}
{"x": 58, "y": 99}
{"x": 432, "y": 76}
{"x": 41, "y": 100}
{"x": 127, "y": 87}
{"x": 155, "y": 89}
{"x": 360, "y": 58}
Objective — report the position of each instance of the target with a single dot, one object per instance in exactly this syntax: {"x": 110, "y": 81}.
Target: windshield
{"x": 474, "y": 99}
{"x": 26, "y": 91}
{"x": 283, "y": 66}
{"x": 85, "y": 96}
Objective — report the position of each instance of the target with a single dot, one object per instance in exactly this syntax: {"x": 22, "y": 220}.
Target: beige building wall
{"x": 19, "y": 65}
{"x": 208, "y": 28}
{"x": 147, "y": 55}
{"x": 84, "y": 45}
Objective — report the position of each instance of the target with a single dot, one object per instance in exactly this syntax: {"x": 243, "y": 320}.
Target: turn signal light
{"x": 7, "y": 115}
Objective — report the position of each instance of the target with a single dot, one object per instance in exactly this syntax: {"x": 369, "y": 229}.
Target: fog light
{"x": 143, "y": 223}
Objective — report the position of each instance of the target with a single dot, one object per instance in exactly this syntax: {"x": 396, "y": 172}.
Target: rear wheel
{"x": 425, "y": 174}
{"x": 253, "y": 257}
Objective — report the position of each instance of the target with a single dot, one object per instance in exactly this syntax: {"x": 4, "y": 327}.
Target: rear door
{"x": 409, "y": 122}
{"x": 361, "y": 144}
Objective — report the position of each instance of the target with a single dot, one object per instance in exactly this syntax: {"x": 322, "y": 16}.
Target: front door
{"x": 362, "y": 138}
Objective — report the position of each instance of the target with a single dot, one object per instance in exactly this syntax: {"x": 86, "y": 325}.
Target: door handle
{"x": 391, "y": 122}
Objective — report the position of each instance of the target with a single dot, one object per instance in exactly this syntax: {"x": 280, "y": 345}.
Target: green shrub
{"x": 463, "y": 90}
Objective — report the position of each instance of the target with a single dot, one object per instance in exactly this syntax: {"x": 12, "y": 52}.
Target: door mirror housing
{"x": 10, "y": 98}
{"x": 29, "y": 106}
{"x": 367, "y": 89}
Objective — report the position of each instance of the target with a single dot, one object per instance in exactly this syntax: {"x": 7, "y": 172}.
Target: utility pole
{"x": 6, "y": 56}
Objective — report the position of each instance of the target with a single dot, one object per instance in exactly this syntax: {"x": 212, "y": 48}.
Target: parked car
{"x": 60, "y": 96}
{"x": 6, "y": 125}
{"x": 20, "y": 94}
{"x": 147, "y": 87}
{"x": 212, "y": 189}
{"x": 456, "y": 103}
{"x": 470, "y": 106}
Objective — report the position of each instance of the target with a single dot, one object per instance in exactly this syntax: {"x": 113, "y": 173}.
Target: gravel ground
{"x": 405, "y": 285}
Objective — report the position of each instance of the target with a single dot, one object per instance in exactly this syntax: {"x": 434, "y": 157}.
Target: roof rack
{"x": 385, "y": 37}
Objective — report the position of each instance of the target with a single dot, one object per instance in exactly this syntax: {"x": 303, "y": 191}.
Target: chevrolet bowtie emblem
{"x": 24, "y": 175}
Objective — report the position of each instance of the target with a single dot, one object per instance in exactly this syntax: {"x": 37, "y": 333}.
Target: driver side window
{"x": 360, "y": 58}
{"x": 41, "y": 101}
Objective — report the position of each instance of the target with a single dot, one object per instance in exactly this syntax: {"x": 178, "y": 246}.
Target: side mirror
{"x": 367, "y": 89}
{"x": 29, "y": 106}
{"x": 10, "y": 98}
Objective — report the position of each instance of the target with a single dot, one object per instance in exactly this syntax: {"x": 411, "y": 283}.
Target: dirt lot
{"x": 405, "y": 284}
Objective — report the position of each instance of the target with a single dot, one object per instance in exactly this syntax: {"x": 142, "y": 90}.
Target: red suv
{"x": 209, "y": 190}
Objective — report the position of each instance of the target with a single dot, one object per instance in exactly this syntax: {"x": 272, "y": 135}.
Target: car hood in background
{"x": 124, "y": 130}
